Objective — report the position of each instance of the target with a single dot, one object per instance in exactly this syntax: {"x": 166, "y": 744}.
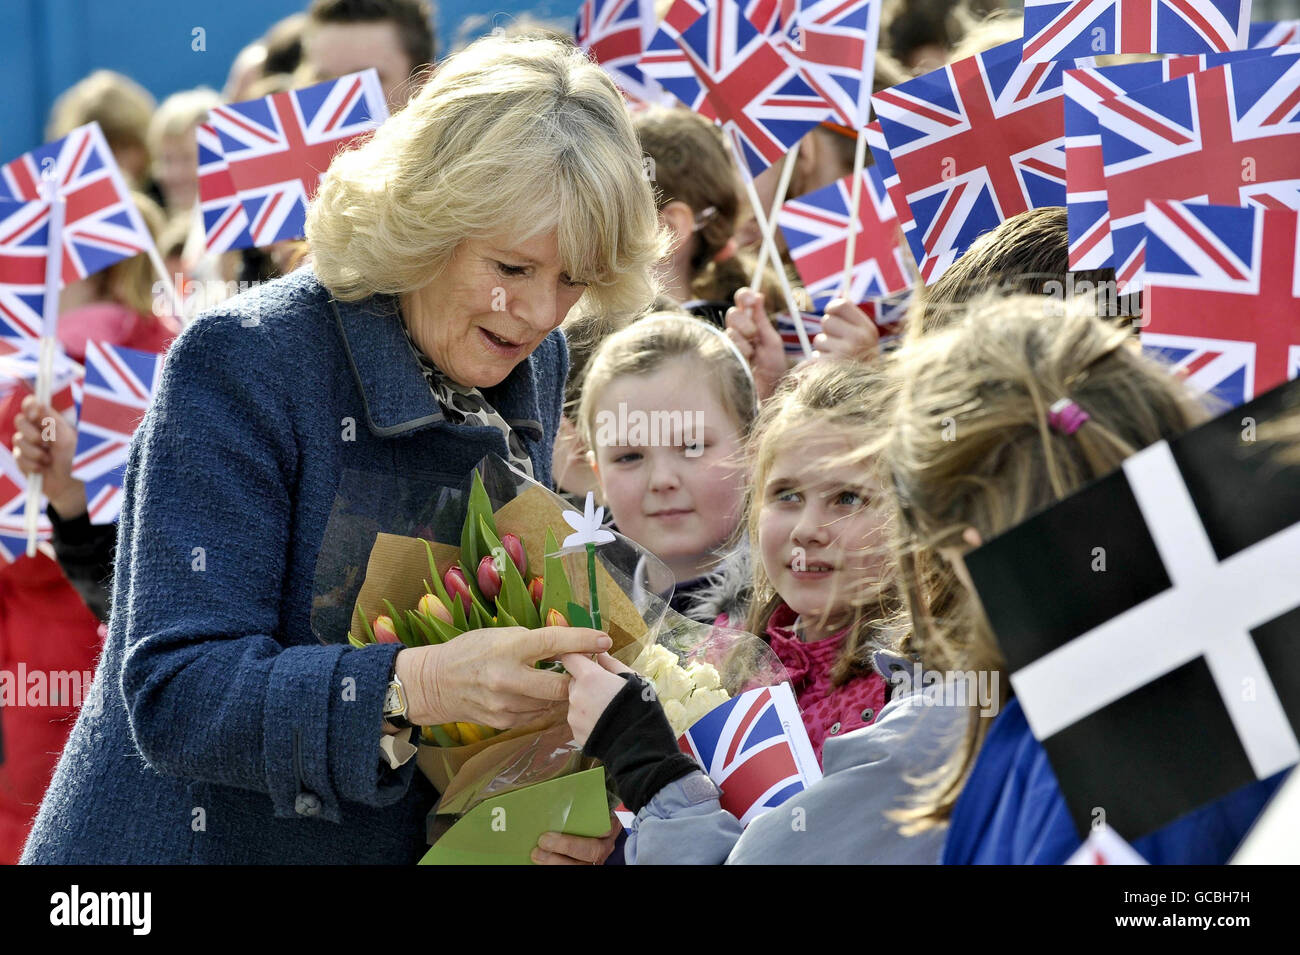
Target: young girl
{"x": 817, "y": 597}
{"x": 665, "y": 407}
{"x": 985, "y": 423}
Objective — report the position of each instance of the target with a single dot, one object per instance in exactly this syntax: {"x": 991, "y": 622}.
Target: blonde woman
{"x": 448, "y": 248}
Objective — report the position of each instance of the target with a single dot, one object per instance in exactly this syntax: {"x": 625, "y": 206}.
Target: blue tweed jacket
{"x": 219, "y": 730}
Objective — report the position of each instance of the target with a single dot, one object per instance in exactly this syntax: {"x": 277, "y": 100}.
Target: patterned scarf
{"x": 465, "y": 405}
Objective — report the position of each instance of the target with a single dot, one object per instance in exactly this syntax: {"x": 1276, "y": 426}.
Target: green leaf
{"x": 578, "y": 615}
{"x": 556, "y": 592}
{"x": 472, "y": 547}
{"x": 365, "y": 622}
{"x": 439, "y": 587}
{"x": 458, "y": 615}
{"x": 440, "y": 736}
{"x": 504, "y": 619}
{"x": 355, "y": 642}
{"x": 399, "y": 624}
{"x": 418, "y": 629}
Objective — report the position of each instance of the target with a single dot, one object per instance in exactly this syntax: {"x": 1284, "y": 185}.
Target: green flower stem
{"x": 591, "y": 582}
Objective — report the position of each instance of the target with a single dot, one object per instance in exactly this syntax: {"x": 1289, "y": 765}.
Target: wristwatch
{"x": 395, "y": 704}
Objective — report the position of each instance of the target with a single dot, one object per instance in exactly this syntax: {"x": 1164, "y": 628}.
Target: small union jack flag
{"x": 1228, "y": 135}
{"x": 929, "y": 268}
{"x": 24, "y": 236}
{"x": 816, "y": 229}
{"x": 1280, "y": 33}
{"x": 755, "y": 748}
{"x": 20, "y": 361}
{"x": 225, "y": 223}
{"x": 101, "y": 224}
{"x": 13, "y": 504}
{"x": 833, "y": 42}
{"x": 1085, "y": 90}
{"x": 615, "y": 33}
{"x": 119, "y": 386}
{"x": 1222, "y": 299}
{"x": 975, "y": 143}
{"x": 277, "y": 147}
{"x": 719, "y": 64}
{"x": 812, "y": 324}
{"x": 1079, "y": 28}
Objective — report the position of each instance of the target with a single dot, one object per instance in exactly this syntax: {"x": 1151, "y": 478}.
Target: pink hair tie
{"x": 1065, "y": 416}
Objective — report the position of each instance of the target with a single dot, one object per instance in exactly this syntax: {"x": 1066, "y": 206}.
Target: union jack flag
{"x": 1085, "y": 90}
{"x": 20, "y": 361}
{"x": 1077, "y": 28}
{"x": 225, "y": 223}
{"x": 24, "y": 236}
{"x": 615, "y": 32}
{"x": 1281, "y": 33}
{"x": 929, "y": 267}
{"x": 13, "y": 504}
{"x": 975, "y": 143}
{"x": 719, "y": 64}
{"x": 1222, "y": 299}
{"x": 1228, "y": 135}
{"x": 755, "y": 748}
{"x": 833, "y": 42}
{"x": 277, "y": 147}
{"x": 776, "y": 19}
{"x": 812, "y": 324}
{"x": 119, "y": 385}
{"x": 101, "y": 224}
{"x": 816, "y": 229}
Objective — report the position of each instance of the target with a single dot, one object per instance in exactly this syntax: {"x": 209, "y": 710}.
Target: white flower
{"x": 704, "y": 676}
{"x": 653, "y": 660}
{"x": 587, "y": 526}
{"x": 676, "y": 714}
{"x": 672, "y": 683}
{"x": 701, "y": 702}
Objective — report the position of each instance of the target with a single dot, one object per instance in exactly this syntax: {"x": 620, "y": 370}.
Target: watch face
{"x": 393, "y": 701}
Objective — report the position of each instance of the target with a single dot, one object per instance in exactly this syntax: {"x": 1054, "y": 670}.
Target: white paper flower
{"x": 587, "y": 526}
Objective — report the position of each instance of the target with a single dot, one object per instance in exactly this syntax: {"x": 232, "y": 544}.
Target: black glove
{"x": 634, "y": 741}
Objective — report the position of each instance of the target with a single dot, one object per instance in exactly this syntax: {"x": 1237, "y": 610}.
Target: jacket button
{"x": 835, "y": 728}
{"x": 307, "y": 804}
{"x": 868, "y": 714}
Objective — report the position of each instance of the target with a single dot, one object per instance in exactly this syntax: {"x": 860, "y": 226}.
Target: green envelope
{"x": 504, "y": 830}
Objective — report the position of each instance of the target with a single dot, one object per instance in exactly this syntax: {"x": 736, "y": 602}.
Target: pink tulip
{"x": 555, "y": 619}
{"x": 515, "y": 548}
{"x": 431, "y": 606}
{"x": 535, "y": 588}
{"x": 489, "y": 578}
{"x": 385, "y": 632}
{"x": 458, "y": 587}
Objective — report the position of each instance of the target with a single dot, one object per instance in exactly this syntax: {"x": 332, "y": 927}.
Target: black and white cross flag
{"x": 1151, "y": 622}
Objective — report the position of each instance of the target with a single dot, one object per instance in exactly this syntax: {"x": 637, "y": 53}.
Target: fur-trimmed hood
{"x": 728, "y": 589}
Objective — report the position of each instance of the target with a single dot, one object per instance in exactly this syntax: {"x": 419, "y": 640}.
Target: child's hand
{"x": 847, "y": 332}
{"x": 593, "y": 685}
{"x": 757, "y": 340}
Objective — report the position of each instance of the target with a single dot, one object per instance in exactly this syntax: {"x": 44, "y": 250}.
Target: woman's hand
{"x": 488, "y": 677}
{"x": 758, "y": 341}
{"x": 44, "y": 443}
{"x": 847, "y": 332}
{"x": 556, "y": 848}
{"x": 593, "y": 685}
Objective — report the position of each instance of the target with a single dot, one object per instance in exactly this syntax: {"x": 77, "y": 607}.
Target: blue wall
{"x": 48, "y": 45}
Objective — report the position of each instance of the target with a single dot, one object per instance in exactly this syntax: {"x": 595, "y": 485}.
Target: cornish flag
{"x": 755, "y": 748}
{"x": 816, "y": 228}
{"x": 120, "y": 384}
{"x": 975, "y": 143}
{"x": 713, "y": 59}
{"x": 277, "y": 147}
{"x": 1228, "y": 135}
{"x": 1077, "y": 28}
{"x": 1085, "y": 169}
{"x": 1151, "y": 623}
{"x": 1222, "y": 296}
{"x": 101, "y": 224}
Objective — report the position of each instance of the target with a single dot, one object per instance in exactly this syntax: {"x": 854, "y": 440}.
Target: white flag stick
{"x": 45, "y": 364}
{"x": 795, "y": 314}
{"x": 769, "y": 232}
{"x": 859, "y": 159}
{"x": 178, "y": 306}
